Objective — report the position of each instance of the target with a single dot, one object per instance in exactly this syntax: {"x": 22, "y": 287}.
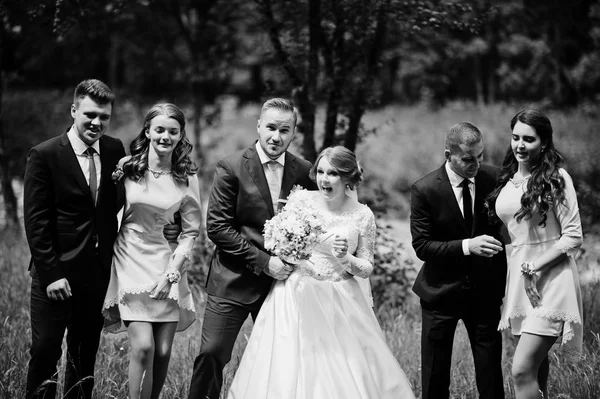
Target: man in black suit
{"x": 464, "y": 270}
{"x": 70, "y": 210}
{"x": 245, "y": 193}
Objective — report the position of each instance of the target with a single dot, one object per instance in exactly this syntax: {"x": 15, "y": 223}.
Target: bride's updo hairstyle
{"x": 344, "y": 162}
{"x": 182, "y": 164}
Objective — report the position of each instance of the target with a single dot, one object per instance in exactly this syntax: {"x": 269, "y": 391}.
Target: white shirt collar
{"x": 455, "y": 179}
{"x": 79, "y": 147}
{"x": 264, "y": 158}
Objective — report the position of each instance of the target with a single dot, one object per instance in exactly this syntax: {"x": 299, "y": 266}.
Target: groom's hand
{"x": 59, "y": 290}
{"x": 484, "y": 245}
{"x": 277, "y": 269}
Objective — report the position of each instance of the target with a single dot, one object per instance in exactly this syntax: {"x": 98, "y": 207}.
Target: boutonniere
{"x": 117, "y": 175}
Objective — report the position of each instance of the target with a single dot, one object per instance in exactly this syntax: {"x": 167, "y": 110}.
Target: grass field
{"x": 570, "y": 378}
{"x": 408, "y": 143}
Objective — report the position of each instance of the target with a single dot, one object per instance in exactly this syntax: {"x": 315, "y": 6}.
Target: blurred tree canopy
{"x": 348, "y": 55}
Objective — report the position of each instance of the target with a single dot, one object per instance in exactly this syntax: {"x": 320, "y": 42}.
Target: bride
{"x": 316, "y": 336}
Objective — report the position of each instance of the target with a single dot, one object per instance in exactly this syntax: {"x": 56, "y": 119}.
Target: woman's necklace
{"x": 159, "y": 173}
{"x": 519, "y": 182}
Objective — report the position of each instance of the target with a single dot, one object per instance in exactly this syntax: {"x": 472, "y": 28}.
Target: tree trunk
{"x": 359, "y": 104}
{"x": 306, "y": 96}
{"x": 333, "y": 109}
{"x": 492, "y": 61}
{"x": 197, "y": 123}
{"x": 356, "y": 114}
{"x": 390, "y": 77}
{"x": 113, "y": 62}
{"x": 8, "y": 194}
{"x": 557, "y": 95}
{"x": 479, "y": 80}
{"x": 337, "y": 71}
{"x": 307, "y": 126}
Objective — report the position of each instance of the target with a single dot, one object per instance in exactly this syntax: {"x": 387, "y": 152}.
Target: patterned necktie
{"x": 467, "y": 204}
{"x": 274, "y": 182}
{"x": 92, "y": 173}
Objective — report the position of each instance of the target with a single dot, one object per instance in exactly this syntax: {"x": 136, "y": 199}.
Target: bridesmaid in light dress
{"x": 148, "y": 292}
{"x": 536, "y": 200}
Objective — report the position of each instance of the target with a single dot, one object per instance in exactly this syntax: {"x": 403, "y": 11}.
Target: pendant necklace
{"x": 519, "y": 183}
{"x": 159, "y": 173}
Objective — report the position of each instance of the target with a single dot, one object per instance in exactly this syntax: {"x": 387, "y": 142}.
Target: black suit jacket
{"x": 64, "y": 229}
{"x": 437, "y": 226}
{"x": 238, "y": 206}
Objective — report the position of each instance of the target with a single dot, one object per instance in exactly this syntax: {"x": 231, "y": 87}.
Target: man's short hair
{"x": 96, "y": 90}
{"x": 281, "y": 104}
{"x": 462, "y": 133}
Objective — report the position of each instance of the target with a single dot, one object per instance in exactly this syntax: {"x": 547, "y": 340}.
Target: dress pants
{"x": 223, "y": 320}
{"x": 81, "y": 317}
{"x": 437, "y": 336}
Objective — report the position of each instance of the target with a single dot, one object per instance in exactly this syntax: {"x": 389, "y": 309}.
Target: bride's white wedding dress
{"x": 316, "y": 336}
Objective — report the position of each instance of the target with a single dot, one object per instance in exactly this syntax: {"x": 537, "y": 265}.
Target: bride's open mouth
{"x": 326, "y": 189}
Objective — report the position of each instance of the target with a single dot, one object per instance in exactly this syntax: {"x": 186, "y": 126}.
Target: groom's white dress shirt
{"x": 79, "y": 147}
{"x": 455, "y": 182}
{"x": 273, "y": 172}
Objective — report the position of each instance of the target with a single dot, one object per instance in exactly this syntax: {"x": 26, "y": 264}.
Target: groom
{"x": 464, "y": 273}
{"x": 246, "y": 189}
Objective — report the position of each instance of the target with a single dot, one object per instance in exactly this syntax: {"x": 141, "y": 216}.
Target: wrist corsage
{"x": 173, "y": 276}
{"x": 117, "y": 175}
{"x": 528, "y": 268}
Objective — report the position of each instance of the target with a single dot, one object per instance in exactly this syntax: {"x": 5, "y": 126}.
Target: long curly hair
{"x": 182, "y": 165}
{"x": 546, "y": 185}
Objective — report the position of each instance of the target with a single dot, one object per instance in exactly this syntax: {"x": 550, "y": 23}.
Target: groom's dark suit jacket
{"x": 63, "y": 226}
{"x": 238, "y": 206}
{"x": 68, "y": 238}
{"x": 438, "y": 229}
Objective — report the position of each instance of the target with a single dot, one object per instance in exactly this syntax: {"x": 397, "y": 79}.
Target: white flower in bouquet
{"x": 293, "y": 233}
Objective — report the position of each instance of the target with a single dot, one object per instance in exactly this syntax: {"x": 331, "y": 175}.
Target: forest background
{"x": 385, "y": 78}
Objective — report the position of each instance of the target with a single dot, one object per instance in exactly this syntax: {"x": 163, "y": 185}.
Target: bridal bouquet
{"x": 293, "y": 233}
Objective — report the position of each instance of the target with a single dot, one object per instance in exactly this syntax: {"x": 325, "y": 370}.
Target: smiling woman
{"x": 542, "y": 304}
{"x": 164, "y": 133}
{"x": 147, "y": 294}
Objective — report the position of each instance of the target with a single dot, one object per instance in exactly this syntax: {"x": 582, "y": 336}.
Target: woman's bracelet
{"x": 528, "y": 268}
{"x": 173, "y": 276}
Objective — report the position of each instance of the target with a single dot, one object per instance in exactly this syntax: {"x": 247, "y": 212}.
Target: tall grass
{"x": 569, "y": 377}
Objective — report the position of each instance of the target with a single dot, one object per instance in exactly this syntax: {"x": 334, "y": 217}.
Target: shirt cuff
{"x": 465, "y": 246}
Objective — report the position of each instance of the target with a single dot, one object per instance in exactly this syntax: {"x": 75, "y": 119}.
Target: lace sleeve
{"x": 191, "y": 218}
{"x": 361, "y": 265}
{"x": 567, "y": 214}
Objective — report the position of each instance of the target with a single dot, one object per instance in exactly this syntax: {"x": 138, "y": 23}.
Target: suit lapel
{"x": 289, "y": 175}
{"x": 105, "y": 171}
{"x": 256, "y": 171}
{"x": 71, "y": 164}
{"x": 480, "y": 194}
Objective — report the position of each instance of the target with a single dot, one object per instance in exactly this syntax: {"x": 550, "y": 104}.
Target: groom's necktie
{"x": 467, "y": 204}
{"x": 93, "y": 180}
{"x": 274, "y": 180}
